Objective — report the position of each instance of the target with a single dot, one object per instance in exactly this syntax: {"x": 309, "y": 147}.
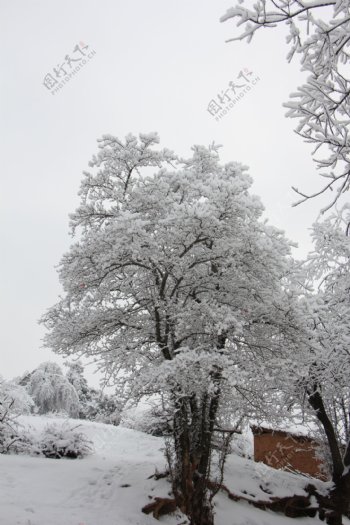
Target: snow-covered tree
{"x": 51, "y": 390}
{"x": 311, "y": 380}
{"x": 322, "y": 107}
{"x": 172, "y": 275}
{"x": 93, "y": 404}
{"x": 75, "y": 375}
{"x": 319, "y": 33}
{"x": 327, "y": 381}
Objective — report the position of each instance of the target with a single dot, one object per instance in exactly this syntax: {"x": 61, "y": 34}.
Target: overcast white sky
{"x": 157, "y": 65}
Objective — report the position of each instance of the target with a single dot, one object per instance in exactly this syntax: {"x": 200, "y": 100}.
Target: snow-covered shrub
{"x": 13, "y": 401}
{"x": 63, "y": 441}
{"x": 149, "y": 419}
{"x": 8, "y": 427}
{"x": 21, "y": 401}
{"x": 75, "y": 376}
{"x": 94, "y": 404}
{"x": 27, "y": 442}
{"x": 105, "y": 409}
{"x": 51, "y": 390}
{"x": 241, "y": 445}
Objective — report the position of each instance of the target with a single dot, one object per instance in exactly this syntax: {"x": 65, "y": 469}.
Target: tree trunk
{"x": 193, "y": 431}
{"x": 339, "y": 497}
{"x": 194, "y": 422}
{"x": 337, "y": 503}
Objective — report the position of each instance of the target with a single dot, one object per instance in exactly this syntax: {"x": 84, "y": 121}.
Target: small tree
{"x": 51, "y": 390}
{"x": 172, "y": 275}
{"x": 93, "y": 404}
{"x": 75, "y": 376}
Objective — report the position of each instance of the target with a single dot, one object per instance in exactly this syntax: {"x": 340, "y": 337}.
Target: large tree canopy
{"x": 173, "y": 273}
{"x": 166, "y": 263}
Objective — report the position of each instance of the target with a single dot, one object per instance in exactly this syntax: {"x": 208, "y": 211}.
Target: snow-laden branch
{"x": 322, "y": 104}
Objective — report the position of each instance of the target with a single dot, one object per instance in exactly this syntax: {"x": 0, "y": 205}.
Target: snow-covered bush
{"x": 27, "y": 442}
{"x": 104, "y": 409}
{"x": 21, "y": 401}
{"x": 59, "y": 441}
{"x": 75, "y": 376}
{"x": 149, "y": 419}
{"x": 8, "y": 426}
{"x": 94, "y": 405}
{"x": 242, "y": 445}
{"x": 51, "y": 390}
{"x": 13, "y": 401}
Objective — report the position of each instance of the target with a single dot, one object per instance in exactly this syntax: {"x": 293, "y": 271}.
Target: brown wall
{"x": 283, "y": 451}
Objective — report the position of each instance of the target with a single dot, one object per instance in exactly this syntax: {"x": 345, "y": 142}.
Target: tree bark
{"x": 337, "y": 503}
{"x": 193, "y": 431}
{"x": 194, "y": 423}
{"x": 316, "y": 402}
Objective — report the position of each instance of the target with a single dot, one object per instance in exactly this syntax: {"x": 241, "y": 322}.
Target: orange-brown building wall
{"x": 282, "y": 451}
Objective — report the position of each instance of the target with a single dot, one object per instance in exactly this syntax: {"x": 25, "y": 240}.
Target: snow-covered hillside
{"x": 111, "y": 486}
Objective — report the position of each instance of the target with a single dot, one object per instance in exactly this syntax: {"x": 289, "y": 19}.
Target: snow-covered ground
{"x": 111, "y": 486}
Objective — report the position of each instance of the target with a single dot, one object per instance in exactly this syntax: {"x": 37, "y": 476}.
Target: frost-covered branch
{"x": 322, "y": 104}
